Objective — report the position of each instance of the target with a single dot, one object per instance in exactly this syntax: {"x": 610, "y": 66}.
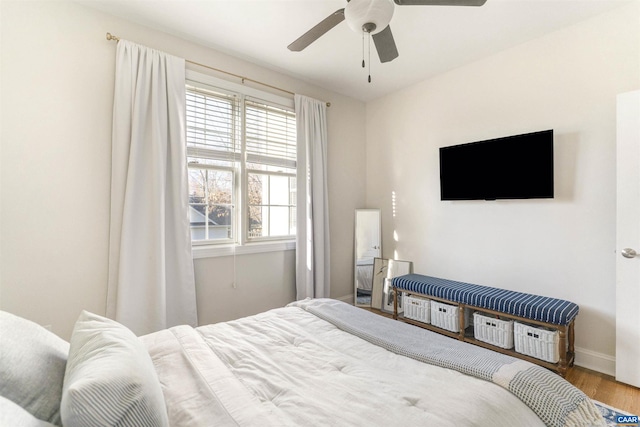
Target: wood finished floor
{"x": 605, "y": 389}
{"x": 598, "y": 386}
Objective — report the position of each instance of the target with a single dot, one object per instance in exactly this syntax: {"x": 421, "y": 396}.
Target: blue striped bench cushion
{"x": 528, "y": 306}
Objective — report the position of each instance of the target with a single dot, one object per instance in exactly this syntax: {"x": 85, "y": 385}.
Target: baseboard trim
{"x": 347, "y": 298}
{"x": 595, "y": 361}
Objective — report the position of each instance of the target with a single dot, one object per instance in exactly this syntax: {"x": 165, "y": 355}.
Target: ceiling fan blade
{"x": 440, "y": 2}
{"x": 385, "y": 45}
{"x": 316, "y": 32}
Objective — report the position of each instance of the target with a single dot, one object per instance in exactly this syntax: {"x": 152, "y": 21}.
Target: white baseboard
{"x": 595, "y": 361}
{"x": 347, "y": 298}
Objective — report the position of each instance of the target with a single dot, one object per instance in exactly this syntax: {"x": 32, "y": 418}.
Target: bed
{"x": 315, "y": 362}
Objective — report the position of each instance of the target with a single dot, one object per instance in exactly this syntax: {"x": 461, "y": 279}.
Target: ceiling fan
{"x": 371, "y": 17}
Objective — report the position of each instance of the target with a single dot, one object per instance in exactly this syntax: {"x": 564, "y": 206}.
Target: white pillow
{"x": 15, "y": 416}
{"x": 32, "y": 366}
{"x": 110, "y": 379}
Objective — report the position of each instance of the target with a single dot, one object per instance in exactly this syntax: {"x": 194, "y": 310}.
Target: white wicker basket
{"x": 447, "y": 317}
{"x": 537, "y": 342}
{"x": 493, "y": 331}
{"x": 416, "y": 308}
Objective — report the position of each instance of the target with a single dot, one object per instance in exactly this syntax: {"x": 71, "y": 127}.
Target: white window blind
{"x": 213, "y": 125}
{"x": 270, "y": 135}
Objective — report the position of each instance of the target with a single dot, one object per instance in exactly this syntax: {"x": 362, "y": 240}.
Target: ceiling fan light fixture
{"x": 360, "y": 14}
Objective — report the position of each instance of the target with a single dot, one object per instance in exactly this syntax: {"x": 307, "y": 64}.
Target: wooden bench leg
{"x": 395, "y": 303}
{"x": 572, "y": 336}
{"x": 461, "y": 321}
{"x": 562, "y": 363}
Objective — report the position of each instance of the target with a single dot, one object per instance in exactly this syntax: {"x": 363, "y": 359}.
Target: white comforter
{"x": 287, "y": 367}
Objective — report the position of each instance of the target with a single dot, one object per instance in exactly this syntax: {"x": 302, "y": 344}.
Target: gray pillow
{"x": 110, "y": 379}
{"x": 32, "y": 366}
{"x": 13, "y": 415}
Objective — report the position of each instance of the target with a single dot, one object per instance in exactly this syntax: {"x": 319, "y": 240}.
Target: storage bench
{"x": 534, "y": 310}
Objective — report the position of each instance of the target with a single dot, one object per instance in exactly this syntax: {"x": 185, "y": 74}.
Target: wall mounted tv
{"x": 513, "y": 167}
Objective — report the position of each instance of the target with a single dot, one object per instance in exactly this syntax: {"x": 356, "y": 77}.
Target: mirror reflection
{"x": 367, "y": 246}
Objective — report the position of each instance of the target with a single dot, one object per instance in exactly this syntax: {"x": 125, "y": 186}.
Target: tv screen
{"x": 513, "y": 167}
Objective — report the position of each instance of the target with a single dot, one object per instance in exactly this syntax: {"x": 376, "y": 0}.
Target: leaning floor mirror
{"x": 383, "y": 294}
{"x": 367, "y": 246}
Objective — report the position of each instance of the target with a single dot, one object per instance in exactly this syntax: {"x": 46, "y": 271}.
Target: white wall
{"x": 57, "y": 81}
{"x": 562, "y": 247}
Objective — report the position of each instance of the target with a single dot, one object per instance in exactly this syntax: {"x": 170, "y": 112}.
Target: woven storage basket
{"x": 446, "y": 316}
{"x": 537, "y": 342}
{"x": 493, "y": 331}
{"x": 416, "y": 308}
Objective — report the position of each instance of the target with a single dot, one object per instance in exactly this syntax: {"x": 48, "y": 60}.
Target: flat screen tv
{"x": 513, "y": 167}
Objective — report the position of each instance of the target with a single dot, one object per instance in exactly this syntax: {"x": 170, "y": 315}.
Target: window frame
{"x": 270, "y": 174}
{"x": 241, "y": 244}
{"x": 232, "y": 205}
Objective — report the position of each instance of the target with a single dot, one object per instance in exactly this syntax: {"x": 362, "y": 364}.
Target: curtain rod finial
{"x": 112, "y": 37}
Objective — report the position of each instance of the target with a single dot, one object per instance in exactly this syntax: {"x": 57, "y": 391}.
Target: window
{"x": 241, "y": 152}
{"x": 271, "y": 170}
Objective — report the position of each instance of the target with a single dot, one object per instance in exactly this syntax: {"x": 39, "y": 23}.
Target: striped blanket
{"x": 553, "y": 399}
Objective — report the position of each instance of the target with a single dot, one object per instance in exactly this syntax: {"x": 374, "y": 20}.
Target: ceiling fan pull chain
{"x": 369, "y": 57}
{"x": 363, "y": 50}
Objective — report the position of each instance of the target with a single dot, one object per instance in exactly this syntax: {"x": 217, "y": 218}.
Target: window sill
{"x": 213, "y": 251}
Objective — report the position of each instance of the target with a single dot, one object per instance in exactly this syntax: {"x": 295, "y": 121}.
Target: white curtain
{"x": 312, "y": 242}
{"x": 151, "y": 279}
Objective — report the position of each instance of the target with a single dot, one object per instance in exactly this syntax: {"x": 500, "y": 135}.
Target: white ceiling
{"x": 430, "y": 39}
